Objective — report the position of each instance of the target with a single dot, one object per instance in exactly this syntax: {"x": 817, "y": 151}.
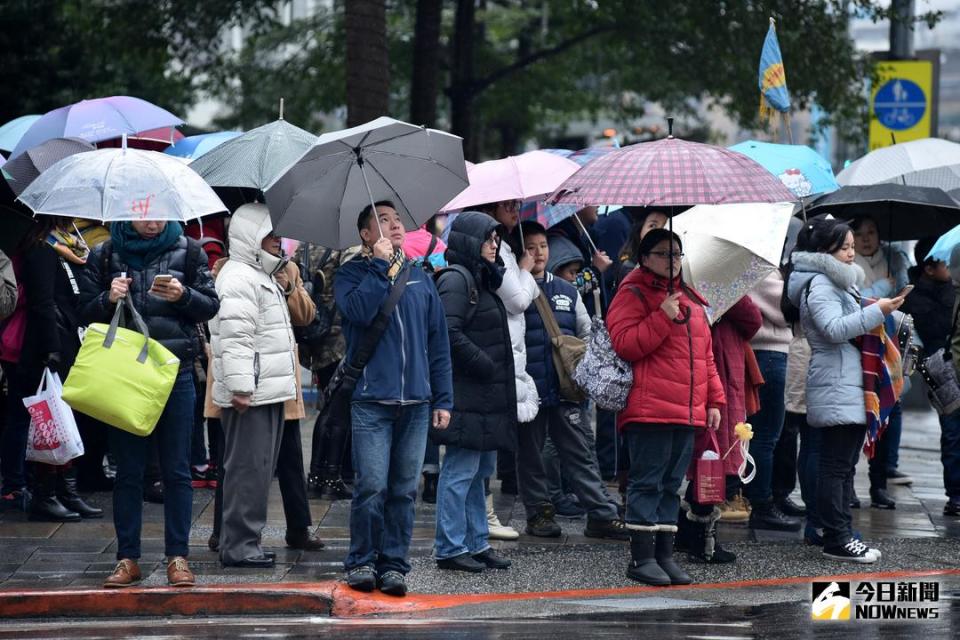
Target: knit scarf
{"x": 396, "y": 262}
{"x": 71, "y": 248}
{"x": 882, "y": 378}
{"x": 136, "y": 251}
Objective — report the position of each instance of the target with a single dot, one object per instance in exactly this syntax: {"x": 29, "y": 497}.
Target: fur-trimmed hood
{"x": 807, "y": 265}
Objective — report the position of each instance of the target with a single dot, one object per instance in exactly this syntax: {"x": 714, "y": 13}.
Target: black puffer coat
{"x": 931, "y": 305}
{"x": 173, "y": 324}
{"x": 484, "y": 416}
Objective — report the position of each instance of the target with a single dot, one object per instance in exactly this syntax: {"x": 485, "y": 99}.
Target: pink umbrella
{"x": 529, "y": 175}
{"x": 671, "y": 172}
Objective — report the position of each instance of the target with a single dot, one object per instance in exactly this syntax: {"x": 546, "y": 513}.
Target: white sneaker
{"x": 498, "y": 531}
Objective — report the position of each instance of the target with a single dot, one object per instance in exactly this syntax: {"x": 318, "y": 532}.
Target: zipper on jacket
{"x": 403, "y": 355}
{"x": 690, "y": 344}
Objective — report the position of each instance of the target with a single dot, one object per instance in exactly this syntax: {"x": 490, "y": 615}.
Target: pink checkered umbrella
{"x": 671, "y": 172}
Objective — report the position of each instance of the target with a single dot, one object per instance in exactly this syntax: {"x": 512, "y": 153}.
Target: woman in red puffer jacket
{"x": 676, "y": 389}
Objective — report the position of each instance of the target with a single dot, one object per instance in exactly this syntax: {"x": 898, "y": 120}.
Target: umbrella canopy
{"x": 946, "y": 178}
{"x": 152, "y": 140}
{"x": 26, "y": 167}
{"x": 729, "y": 248}
{"x": 319, "y": 198}
{"x": 255, "y": 158}
{"x": 192, "y": 147}
{"x": 121, "y": 184}
{"x": 671, "y": 172}
{"x": 530, "y": 175}
{"x": 901, "y": 213}
{"x": 888, "y": 164}
{"x": 11, "y": 132}
{"x": 549, "y": 215}
{"x": 800, "y": 168}
{"x": 97, "y": 120}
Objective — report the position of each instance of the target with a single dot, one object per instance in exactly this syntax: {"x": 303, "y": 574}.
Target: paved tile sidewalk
{"x": 74, "y": 555}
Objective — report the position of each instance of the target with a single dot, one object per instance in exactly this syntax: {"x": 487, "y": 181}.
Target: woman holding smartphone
{"x": 166, "y": 277}
{"x": 824, "y": 285}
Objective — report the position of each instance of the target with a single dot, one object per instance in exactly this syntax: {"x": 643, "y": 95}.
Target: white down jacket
{"x": 251, "y": 338}
{"x": 517, "y": 293}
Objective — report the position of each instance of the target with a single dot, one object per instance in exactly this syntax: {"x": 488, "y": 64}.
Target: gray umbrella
{"x": 27, "y": 167}
{"x": 253, "y": 160}
{"x": 319, "y": 198}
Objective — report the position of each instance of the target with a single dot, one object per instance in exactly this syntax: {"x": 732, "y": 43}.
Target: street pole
{"x": 901, "y": 29}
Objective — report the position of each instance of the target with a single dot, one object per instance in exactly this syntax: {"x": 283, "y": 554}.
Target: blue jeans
{"x": 388, "y": 446}
{"x": 173, "y": 435}
{"x": 950, "y": 453}
{"x": 891, "y": 438}
{"x": 659, "y": 457}
{"x": 808, "y": 466}
{"x": 461, "y": 504}
{"x": 767, "y": 424}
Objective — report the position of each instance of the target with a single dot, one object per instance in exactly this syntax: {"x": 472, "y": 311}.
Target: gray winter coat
{"x": 8, "y": 287}
{"x": 831, "y": 317}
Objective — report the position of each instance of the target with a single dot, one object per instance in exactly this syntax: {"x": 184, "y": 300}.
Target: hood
{"x": 562, "y": 252}
{"x": 467, "y": 234}
{"x": 249, "y": 225}
{"x": 806, "y": 265}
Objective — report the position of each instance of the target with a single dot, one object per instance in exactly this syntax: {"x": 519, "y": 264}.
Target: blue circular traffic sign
{"x": 899, "y": 104}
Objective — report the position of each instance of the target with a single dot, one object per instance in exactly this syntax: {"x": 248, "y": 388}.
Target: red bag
{"x": 709, "y": 482}
{"x": 13, "y": 328}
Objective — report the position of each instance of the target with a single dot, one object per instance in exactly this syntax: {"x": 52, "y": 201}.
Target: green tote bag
{"x": 122, "y": 377}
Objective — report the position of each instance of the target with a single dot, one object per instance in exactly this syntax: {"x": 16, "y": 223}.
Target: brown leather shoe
{"x": 179, "y": 574}
{"x": 126, "y": 574}
{"x": 301, "y": 539}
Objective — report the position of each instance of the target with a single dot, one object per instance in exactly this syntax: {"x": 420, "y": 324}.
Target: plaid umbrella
{"x": 671, "y": 172}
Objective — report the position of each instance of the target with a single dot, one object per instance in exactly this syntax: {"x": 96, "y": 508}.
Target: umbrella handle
{"x": 684, "y": 315}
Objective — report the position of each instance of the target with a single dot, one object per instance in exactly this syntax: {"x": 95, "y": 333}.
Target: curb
{"x": 330, "y": 599}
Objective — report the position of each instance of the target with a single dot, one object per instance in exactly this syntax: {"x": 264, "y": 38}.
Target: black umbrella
{"x": 15, "y": 219}
{"x": 27, "y": 166}
{"x": 901, "y": 212}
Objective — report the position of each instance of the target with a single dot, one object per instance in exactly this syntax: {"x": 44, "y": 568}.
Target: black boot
{"x": 643, "y": 566}
{"x": 44, "y": 506}
{"x": 766, "y": 515}
{"x": 67, "y": 492}
{"x": 697, "y": 536}
{"x": 663, "y": 553}
{"x": 880, "y": 499}
{"x": 430, "y": 487}
{"x": 332, "y": 487}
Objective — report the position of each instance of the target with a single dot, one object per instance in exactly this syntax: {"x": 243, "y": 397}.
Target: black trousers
{"x": 839, "y": 452}
{"x": 785, "y": 461}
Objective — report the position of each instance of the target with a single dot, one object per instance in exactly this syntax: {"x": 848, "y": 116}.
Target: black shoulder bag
{"x": 339, "y": 391}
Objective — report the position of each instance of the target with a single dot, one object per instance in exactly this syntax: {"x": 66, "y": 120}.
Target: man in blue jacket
{"x": 406, "y": 386}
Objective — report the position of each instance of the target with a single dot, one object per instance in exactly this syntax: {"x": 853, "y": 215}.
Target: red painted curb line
{"x": 330, "y": 598}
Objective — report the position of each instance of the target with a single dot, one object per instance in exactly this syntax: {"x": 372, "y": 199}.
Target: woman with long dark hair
{"x": 824, "y": 285}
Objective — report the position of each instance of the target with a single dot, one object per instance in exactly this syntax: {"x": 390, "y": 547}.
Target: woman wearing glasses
{"x": 658, "y": 324}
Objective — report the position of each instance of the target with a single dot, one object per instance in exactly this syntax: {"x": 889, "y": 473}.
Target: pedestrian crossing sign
{"x": 900, "y": 102}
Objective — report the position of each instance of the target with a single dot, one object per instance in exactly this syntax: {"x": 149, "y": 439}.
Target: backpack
{"x": 14, "y": 327}
{"x": 473, "y": 293}
{"x": 312, "y": 338}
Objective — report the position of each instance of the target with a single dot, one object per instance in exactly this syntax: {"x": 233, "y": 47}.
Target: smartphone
{"x": 162, "y": 280}
{"x": 905, "y": 291}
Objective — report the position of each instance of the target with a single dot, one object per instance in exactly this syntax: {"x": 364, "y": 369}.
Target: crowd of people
{"x": 444, "y": 362}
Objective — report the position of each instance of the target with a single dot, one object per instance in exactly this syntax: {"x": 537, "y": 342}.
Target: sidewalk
{"x": 45, "y": 558}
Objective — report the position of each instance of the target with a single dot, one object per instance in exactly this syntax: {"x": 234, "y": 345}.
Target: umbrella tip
{"x": 773, "y": 22}
{"x": 281, "y": 108}
{"x": 670, "y": 127}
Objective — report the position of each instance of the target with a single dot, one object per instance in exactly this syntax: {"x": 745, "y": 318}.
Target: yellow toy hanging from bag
{"x": 122, "y": 377}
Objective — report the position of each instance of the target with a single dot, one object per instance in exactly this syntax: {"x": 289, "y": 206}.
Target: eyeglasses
{"x": 666, "y": 254}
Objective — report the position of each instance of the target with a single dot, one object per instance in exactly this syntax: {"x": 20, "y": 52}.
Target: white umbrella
{"x": 901, "y": 163}
{"x": 318, "y": 198}
{"x": 729, "y": 248}
{"x": 121, "y": 184}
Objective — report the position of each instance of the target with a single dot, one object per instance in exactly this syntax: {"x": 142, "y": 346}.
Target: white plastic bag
{"x": 53, "y": 437}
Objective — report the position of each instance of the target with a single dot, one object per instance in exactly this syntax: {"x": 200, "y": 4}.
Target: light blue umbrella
{"x": 192, "y": 147}
{"x": 11, "y": 132}
{"x": 801, "y": 169}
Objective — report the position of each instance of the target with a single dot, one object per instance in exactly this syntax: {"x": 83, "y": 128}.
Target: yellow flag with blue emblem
{"x": 773, "y": 79}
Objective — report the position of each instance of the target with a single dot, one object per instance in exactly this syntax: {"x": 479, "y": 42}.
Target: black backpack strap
{"x": 192, "y": 263}
{"x": 431, "y": 246}
{"x": 372, "y": 336}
